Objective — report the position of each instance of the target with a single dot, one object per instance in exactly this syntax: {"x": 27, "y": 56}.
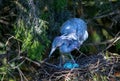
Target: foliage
{"x": 59, "y": 5}
{"x": 30, "y": 43}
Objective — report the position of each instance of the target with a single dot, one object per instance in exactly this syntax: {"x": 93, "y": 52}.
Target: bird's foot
{"x": 60, "y": 65}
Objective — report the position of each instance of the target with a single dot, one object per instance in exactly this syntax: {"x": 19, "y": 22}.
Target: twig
{"x": 2, "y": 79}
{"x": 11, "y": 37}
{"x": 38, "y": 64}
{"x": 4, "y": 22}
{"x": 106, "y": 15}
{"x": 67, "y": 76}
{"x": 52, "y": 65}
{"x": 14, "y": 67}
{"x": 11, "y": 74}
{"x": 116, "y": 38}
{"x": 22, "y": 75}
{"x": 105, "y": 42}
{"x": 111, "y": 70}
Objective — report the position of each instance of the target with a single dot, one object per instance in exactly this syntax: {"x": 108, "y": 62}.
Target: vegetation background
{"x": 28, "y": 27}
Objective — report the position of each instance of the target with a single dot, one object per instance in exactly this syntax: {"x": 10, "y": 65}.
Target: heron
{"x": 73, "y": 34}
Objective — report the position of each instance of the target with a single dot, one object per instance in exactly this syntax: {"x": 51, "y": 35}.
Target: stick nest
{"x": 91, "y": 68}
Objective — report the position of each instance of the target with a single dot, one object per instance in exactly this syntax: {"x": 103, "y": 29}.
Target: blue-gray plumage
{"x": 73, "y": 34}
{"x": 77, "y": 26}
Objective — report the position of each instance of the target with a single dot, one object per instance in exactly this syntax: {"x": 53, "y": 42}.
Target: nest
{"x": 92, "y": 68}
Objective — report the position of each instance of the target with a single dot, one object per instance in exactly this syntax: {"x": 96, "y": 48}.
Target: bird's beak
{"x": 51, "y": 52}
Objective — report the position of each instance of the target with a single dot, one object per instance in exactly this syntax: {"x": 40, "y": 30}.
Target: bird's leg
{"x": 60, "y": 64}
{"x": 62, "y": 60}
{"x": 72, "y": 58}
